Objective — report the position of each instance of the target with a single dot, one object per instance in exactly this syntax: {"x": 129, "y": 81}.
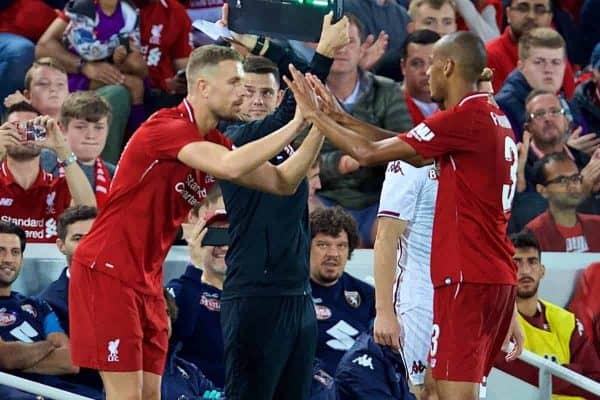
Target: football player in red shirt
{"x": 472, "y": 270}
{"x": 117, "y": 314}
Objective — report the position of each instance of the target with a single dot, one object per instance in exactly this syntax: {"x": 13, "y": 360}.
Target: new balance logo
{"x": 113, "y": 350}
{"x": 364, "y": 361}
{"x": 6, "y": 201}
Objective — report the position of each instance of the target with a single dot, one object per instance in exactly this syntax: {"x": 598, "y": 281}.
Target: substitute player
{"x": 117, "y": 312}
{"x": 472, "y": 270}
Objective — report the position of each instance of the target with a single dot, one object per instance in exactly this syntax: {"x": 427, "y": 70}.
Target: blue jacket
{"x": 511, "y": 99}
{"x": 182, "y": 380}
{"x": 369, "y": 371}
{"x": 323, "y": 384}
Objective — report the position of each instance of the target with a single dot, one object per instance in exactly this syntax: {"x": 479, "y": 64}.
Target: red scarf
{"x": 102, "y": 180}
{"x": 415, "y": 112}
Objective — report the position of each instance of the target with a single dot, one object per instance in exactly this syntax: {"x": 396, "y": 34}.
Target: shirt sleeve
{"x": 443, "y": 133}
{"x": 400, "y": 190}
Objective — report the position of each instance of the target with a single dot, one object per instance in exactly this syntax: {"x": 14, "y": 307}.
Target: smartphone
{"x": 31, "y": 132}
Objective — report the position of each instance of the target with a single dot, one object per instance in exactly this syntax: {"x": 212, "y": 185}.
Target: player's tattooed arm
{"x": 21, "y": 356}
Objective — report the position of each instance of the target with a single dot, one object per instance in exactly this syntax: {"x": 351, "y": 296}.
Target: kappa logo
{"x": 364, "y": 361}
{"x": 418, "y": 367}
{"x": 421, "y": 132}
{"x": 6, "y": 201}
{"x": 113, "y": 350}
{"x": 352, "y": 298}
{"x": 395, "y": 167}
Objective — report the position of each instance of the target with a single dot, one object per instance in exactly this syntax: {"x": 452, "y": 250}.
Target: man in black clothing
{"x": 267, "y": 316}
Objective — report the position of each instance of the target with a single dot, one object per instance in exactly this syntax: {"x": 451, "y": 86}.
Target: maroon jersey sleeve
{"x": 447, "y": 132}
{"x": 183, "y": 43}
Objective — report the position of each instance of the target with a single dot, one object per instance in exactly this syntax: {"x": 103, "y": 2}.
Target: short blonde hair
{"x": 545, "y": 38}
{"x": 43, "y": 62}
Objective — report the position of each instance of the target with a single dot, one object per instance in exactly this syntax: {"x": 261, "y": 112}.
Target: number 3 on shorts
{"x": 435, "y": 334}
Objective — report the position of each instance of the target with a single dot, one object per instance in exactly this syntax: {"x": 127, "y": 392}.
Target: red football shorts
{"x": 470, "y": 323}
{"x": 113, "y": 327}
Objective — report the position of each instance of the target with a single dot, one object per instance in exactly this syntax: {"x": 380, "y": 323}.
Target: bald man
{"x": 472, "y": 270}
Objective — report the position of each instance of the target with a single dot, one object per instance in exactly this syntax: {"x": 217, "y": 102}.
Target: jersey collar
{"x": 43, "y": 178}
{"x": 473, "y": 96}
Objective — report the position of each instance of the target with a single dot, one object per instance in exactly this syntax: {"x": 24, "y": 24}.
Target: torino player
{"x": 117, "y": 312}
{"x": 471, "y": 263}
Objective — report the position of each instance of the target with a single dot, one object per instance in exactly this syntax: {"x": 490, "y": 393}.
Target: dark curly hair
{"x": 332, "y": 221}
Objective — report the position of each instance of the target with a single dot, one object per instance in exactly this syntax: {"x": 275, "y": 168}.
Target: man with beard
{"x": 29, "y": 196}
{"x": 561, "y": 227}
{"x": 344, "y": 305}
{"x": 550, "y": 331}
{"x": 32, "y": 343}
{"x": 522, "y": 16}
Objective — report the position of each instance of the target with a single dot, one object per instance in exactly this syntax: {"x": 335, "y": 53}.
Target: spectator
{"x": 541, "y": 66}
{"x": 85, "y": 118}
{"x": 32, "y": 198}
{"x": 166, "y": 43}
{"x": 585, "y": 304}
{"x": 381, "y": 16}
{"x": 22, "y": 22}
{"x": 548, "y": 128}
{"x": 46, "y": 87}
{"x": 436, "y": 15}
{"x": 369, "y": 371}
{"x": 503, "y": 53}
{"x": 32, "y": 343}
{"x": 416, "y": 58}
{"x": 83, "y": 71}
{"x": 73, "y": 225}
{"x": 372, "y": 99}
{"x": 589, "y": 17}
{"x": 587, "y": 95}
{"x": 182, "y": 379}
{"x": 561, "y": 227}
{"x": 550, "y": 331}
{"x": 198, "y": 296}
{"x": 344, "y": 305}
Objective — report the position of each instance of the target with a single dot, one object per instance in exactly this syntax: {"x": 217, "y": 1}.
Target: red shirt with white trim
{"x": 36, "y": 209}
{"x": 474, "y": 146}
{"x": 150, "y": 196}
{"x": 165, "y": 35}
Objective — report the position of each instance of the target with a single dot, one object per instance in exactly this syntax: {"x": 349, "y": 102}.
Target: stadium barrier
{"x": 47, "y": 392}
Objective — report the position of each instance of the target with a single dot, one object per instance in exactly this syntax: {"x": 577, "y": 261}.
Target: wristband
{"x": 260, "y": 43}
{"x": 67, "y": 161}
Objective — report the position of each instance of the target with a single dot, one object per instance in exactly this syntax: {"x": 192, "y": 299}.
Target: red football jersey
{"x": 165, "y": 35}
{"x": 150, "y": 196}
{"x": 35, "y": 210}
{"x": 473, "y": 145}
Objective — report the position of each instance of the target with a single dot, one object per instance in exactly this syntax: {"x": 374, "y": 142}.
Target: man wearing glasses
{"x": 561, "y": 228}
{"x": 503, "y": 55}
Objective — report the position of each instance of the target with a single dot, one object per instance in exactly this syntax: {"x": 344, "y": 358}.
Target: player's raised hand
{"x": 387, "y": 331}
{"x": 327, "y": 101}
{"x": 14, "y": 98}
{"x": 305, "y": 96}
{"x": 242, "y": 43}
{"x": 591, "y": 174}
{"x": 513, "y": 344}
{"x": 333, "y": 36}
{"x": 372, "y": 50}
{"x": 523, "y": 152}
